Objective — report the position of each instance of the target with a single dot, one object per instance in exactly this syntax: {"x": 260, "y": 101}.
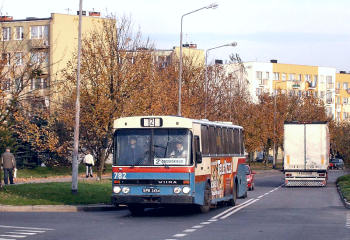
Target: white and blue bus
{"x": 169, "y": 160}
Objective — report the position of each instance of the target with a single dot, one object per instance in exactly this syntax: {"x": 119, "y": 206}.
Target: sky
{"x": 307, "y": 32}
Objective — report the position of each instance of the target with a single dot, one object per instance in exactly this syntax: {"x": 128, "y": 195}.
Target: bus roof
{"x": 165, "y": 121}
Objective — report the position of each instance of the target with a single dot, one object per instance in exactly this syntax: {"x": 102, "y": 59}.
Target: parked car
{"x": 260, "y": 157}
{"x": 250, "y": 178}
{"x": 336, "y": 163}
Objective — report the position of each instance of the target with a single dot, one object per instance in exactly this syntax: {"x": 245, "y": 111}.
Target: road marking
{"x": 236, "y": 210}
{"x": 24, "y": 233}
{"x": 212, "y": 220}
{"x": 205, "y": 223}
{"x": 7, "y": 239}
{"x": 234, "y": 207}
{"x": 190, "y": 230}
{"x": 180, "y": 235}
{"x": 347, "y": 225}
{"x": 32, "y": 231}
{"x": 29, "y": 228}
{"x": 15, "y": 236}
{"x": 197, "y": 226}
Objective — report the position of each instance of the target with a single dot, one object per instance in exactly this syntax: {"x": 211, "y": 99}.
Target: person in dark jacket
{"x": 8, "y": 163}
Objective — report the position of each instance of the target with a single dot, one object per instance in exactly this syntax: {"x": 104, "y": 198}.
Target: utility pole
{"x": 77, "y": 112}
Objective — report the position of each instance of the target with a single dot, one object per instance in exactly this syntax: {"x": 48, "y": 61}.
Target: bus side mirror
{"x": 197, "y": 150}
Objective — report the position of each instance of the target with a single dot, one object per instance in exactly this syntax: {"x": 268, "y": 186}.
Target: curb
{"x": 60, "y": 208}
{"x": 342, "y": 198}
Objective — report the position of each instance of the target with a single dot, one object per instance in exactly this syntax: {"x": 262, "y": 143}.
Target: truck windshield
{"x": 152, "y": 147}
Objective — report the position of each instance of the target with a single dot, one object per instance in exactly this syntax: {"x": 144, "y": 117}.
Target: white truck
{"x": 306, "y": 153}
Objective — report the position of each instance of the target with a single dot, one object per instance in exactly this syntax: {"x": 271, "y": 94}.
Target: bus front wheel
{"x": 136, "y": 210}
{"x": 207, "y": 199}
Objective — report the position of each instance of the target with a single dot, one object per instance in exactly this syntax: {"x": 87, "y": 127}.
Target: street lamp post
{"x": 212, "y": 6}
{"x": 77, "y": 112}
{"x": 233, "y": 44}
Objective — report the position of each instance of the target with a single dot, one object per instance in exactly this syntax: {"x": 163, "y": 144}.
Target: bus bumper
{"x": 152, "y": 200}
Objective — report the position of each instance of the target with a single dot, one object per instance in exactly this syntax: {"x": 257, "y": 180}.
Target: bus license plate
{"x": 151, "y": 190}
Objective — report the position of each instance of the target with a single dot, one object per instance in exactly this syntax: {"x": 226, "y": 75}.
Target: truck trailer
{"x": 306, "y": 153}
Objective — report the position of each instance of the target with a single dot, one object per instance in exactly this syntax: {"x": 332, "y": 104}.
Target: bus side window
{"x": 204, "y": 139}
{"x": 218, "y": 135}
{"x": 230, "y": 141}
{"x": 212, "y": 141}
{"x": 225, "y": 135}
{"x": 241, "y": 140}
{"x": 236, "y": 141}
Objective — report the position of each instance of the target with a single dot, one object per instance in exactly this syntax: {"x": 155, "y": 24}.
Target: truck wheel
{"x": 136, "y": 210}
{"x": 207, "y": 199}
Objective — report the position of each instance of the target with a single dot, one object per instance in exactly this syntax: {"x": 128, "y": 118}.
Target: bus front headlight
{"x": 116, "y": 189}
{"x": 186, "y": 190}
{"x": 177, "y": 190}
{"x": 126, "y": 190}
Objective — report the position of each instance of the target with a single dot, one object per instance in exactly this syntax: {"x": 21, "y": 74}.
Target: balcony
{"x": 39, "y": 43}
{"x": 296, "y": 85}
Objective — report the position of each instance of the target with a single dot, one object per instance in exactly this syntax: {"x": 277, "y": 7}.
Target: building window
{"x": 19, "y": 33}
{"x": 284, "y": 77}
{"x": 338, "y": 85}
{"x": 39, "y": 57}
{"x": 259, "y": 75}
{"x": 267, "y": 75}
{"x": 19, "y": 84}
{"x": 346, "y": 115}
{"x": 322, "y": 94}
{"x": 329, "y": 81}
{"x": 39, "y": 32}
{"x": 6, "y": 33}
{"x": 345, "y": 86}
{"x": 291, "y": 76}
{"x": 18, "y": 58}
{"x": 276, "y": 76}
{"x": 307, "y": 77}
{"x": 6, "y": 59}
{"x": 345, "y": 100}
{"x": 258, "y": 91}
{"x": 321, "y": 78}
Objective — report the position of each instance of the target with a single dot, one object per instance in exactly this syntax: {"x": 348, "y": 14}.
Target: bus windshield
{"x": 152, "y": 147}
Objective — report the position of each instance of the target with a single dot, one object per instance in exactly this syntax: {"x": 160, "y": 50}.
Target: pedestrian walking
{"x": 89, "y": 162}
{"x": 8, "y": 163}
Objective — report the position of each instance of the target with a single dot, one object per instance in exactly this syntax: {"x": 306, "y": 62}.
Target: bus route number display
{"x": 151, "y": 122}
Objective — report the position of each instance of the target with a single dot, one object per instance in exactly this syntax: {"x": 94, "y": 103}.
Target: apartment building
{"x": 295, "y": 80}
{"x": 189, "y": 52}
{"x": 49, "y": 42}
{"x": 342, "y": 96}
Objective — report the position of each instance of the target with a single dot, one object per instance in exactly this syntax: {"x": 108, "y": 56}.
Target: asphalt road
{"x": 269, "y": 212}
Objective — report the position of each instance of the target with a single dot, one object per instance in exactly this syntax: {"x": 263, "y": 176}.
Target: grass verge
{"x": 344, "y": 184}
{"x": 89, "y": 192}
{"x": 45, "y": 172}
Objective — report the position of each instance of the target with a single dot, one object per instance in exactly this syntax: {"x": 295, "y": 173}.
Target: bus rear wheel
{"x": 232, "y": 202}
{"x": 207, "y": 200}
